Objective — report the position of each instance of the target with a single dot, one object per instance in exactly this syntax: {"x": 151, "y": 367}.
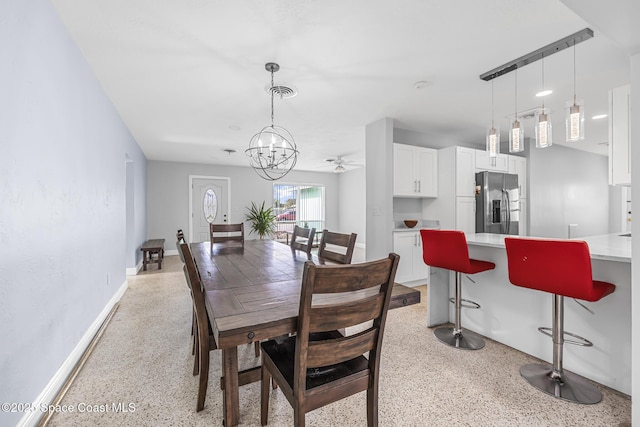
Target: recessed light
{"x": 598, "y": 117}
{"x": 544, "y": 93}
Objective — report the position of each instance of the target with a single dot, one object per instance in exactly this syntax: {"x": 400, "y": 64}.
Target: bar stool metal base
{"x": 569, "y": 386}
{"x": 465, "y": 340}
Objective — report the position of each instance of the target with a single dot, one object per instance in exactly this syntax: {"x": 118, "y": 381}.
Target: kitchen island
{"x": 511, "y": 315}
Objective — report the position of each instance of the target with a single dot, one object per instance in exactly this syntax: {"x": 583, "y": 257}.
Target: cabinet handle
{"x": 415, "y": 186}
{"x": 419, "y": 186}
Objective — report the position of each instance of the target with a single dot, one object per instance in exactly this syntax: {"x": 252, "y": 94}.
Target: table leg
{"x": 144, "y": 260}
{"x": 231, "y": 396}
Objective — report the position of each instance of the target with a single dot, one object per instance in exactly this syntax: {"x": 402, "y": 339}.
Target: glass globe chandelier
{"x": 272, "y": 152}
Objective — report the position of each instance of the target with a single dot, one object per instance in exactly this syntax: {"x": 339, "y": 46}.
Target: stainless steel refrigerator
{"x": 497, "y": 203}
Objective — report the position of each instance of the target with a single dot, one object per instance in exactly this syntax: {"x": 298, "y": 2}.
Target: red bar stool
{"x": 562, "y": 268}
{"x": 448, "y": 249}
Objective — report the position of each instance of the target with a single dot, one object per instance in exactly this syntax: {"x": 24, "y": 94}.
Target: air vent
{"x": 281, "y": 91}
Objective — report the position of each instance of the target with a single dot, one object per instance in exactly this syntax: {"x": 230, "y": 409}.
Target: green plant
{"x": 262, "y": 220}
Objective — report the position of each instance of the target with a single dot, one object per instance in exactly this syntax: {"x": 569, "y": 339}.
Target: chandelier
{"x": 272, "y": 152}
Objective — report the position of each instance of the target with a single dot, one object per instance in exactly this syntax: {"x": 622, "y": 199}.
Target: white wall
{"x": 63, "y": 149}
{"x": 168, "y": 194}
{"x": 352, "y": 204}
{"x": 567, "y": 186}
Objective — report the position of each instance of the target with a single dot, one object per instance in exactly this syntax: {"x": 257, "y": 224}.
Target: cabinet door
{"x": 466, "y": 214}
{"x": 518, "y": 166}
{"x": 619, "y": 132}
{"x": 465, "y": 171}
{"x": 404, "y": 181}
{"x": 485, "y": 163}
{"x": 404, "y": 243}
{"x": 420, "y": 269}
{"x": 426, "y": 170}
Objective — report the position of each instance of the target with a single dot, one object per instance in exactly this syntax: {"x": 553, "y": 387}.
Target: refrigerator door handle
{"x": 508, "y": 224}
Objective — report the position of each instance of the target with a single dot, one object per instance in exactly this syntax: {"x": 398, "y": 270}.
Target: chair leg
{"x": 196, "y": 357}
{"x": 204, "y": 372}
{"x": 372, "y": 405}
{"x": 264, "y": 395}
{"x": 554, "y": 380}
{"x": 454, "y": 336}
{"x": 298, "y": 416}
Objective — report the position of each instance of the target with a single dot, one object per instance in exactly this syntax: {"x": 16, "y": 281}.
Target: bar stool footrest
{"x": 469, "y": 304}
{"x": 569, "y": 386}
{"x": 578, "y": 339}
{"x": 465, "y": 340}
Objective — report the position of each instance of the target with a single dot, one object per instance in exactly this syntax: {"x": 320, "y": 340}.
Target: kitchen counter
{"x": 511, "y": 314}
{"x": 611, "y": 247}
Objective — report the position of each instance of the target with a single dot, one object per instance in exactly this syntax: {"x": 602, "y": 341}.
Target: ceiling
{"x": 189, "y": 78}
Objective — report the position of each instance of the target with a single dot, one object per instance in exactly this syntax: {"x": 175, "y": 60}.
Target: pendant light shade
{"x": 272, "y": 152}
{"x": 574, "y": 116}
{"x": 544, "y": 134}
{"x": 516, "y": 133}
{"x": 493, "y": 134}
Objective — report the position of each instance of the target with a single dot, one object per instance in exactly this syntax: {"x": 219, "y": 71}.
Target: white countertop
{"x": 611, "y": 247}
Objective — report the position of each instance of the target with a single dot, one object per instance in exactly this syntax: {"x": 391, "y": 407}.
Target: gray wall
{"x": 635, "y": 249}
{"x": 567, "y": 186}
{"x": 168, "y": 194}
{"x": 63, "y": 151}
{"x": 352, "y": 204}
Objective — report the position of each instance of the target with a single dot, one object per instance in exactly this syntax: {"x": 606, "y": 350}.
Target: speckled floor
{"x": 143, "y": 361}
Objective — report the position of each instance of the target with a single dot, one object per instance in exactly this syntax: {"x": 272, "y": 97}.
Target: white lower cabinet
{"x": 408, "y": 244}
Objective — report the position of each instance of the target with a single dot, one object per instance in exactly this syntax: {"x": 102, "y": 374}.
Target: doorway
{"x": 209, "y": 204}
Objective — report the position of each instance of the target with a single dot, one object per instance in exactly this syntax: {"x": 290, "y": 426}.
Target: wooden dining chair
{"x": 302, "y": 239}
{"x": 345, "y": 242}
{"x": 314, "y": 373}
{"x": 203, "y": 327}
{"x": 224, "y": 233}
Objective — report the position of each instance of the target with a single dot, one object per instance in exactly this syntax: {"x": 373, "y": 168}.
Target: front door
{"x": 210, "y": 205}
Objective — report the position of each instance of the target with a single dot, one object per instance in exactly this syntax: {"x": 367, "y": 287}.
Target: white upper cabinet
{"x": 518, "y": 166}
{"x": 484, "y": 163}
{"x": 415, "y": 171}
{"x": 619, "y": 132}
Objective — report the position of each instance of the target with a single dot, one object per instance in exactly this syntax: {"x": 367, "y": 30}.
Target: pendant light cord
{"x": 543, "y": 87}
{"x": 492, "y": 104}
{"x": 574, "y": 73}
{"x": 515, "y": 113}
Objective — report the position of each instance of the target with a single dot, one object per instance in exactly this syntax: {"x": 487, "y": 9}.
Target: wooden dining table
{"x": 252, "y": 293}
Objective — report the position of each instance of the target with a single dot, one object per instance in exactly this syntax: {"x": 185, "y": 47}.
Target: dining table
{"x": 252, "y": 293}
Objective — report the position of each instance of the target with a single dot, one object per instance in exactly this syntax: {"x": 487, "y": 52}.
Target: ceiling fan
{"x": 339, "y": 164}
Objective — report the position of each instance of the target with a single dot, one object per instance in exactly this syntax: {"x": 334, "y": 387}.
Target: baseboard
{"x": 132, "y": 271}
{"x": 171, "y": 252}
{"x": 361, "y": 245}
{"x": 47, "y": 396}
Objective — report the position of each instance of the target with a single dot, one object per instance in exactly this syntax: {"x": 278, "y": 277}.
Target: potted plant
{"x": 262, "y": 220}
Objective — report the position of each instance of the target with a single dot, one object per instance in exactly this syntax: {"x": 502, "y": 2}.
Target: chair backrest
{"x": 194, "y": 283}
{"x": 347, "y": 242}
{"x": 302, "y": 239}
{"x": 560, "y": 267}
{"x": 180, "y": 240}
{"x": 355, "y": 306}
{"x": 446, "y": 249}
{"x": 222, "y": 233}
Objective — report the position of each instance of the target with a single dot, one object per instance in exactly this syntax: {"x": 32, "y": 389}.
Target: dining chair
{"x": 302, "y": 239}
{"x": 223, "y": 233}
{"x": 347, "y": 243}
{"x": 314, "y": 373}
{"x": 179, "y": 241}
{"x": 203, "y": 326}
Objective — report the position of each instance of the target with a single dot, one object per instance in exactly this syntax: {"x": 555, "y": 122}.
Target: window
{"x": 295, "y": 204}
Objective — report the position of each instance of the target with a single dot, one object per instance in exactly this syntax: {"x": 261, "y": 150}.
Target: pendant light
{"x": 272, "y": 151}
{"x": 493, "y": 134}
{"x": 516, "y": 133}
{"x": 574, "y": 119}
{"x": 543, "y": 125}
